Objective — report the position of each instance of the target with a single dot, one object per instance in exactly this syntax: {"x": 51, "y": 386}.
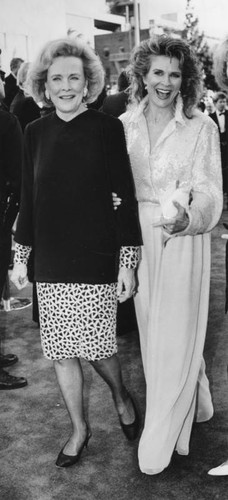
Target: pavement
{"x": 34, "y": 424}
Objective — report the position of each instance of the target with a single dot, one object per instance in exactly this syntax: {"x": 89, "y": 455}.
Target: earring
{"x": 85, "y": 91}
{"x": 47, "y": 95}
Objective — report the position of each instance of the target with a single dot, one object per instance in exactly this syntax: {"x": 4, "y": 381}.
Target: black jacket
{"x": 10, "y": 177}
{"x": 11, "y": 143}
{"x": 25, "y": 108}
{"x": 11, "y": 89}
{"x": 223, "y": 138}
{"x": 70, "y": 171}
{"x": 115, "y": 104}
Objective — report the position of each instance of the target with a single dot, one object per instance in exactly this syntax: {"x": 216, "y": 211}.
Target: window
{"x": 106, "y": 51}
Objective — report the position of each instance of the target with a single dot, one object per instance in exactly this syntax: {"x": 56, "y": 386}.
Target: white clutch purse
{"x": 173, "y": 193}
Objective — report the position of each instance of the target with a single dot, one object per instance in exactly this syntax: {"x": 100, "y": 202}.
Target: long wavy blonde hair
{"x": 140, "y": 63}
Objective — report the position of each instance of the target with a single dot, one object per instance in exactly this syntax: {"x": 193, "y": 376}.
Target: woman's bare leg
{"x": 109, "y": 369}
{"x": 70, "y": 378}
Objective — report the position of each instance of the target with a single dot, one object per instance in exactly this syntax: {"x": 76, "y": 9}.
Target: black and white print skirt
{"x": 77, "y": 320}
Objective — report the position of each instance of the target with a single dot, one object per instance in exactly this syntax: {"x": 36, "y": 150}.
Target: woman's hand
{"x": 177, "y": 223}
{"x": 116, "y": 201}
{"x": 19, "y": 276}
{"x": 125, "y": 284}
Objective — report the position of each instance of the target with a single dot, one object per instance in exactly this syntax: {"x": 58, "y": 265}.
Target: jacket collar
{"x": 137, "y": 118}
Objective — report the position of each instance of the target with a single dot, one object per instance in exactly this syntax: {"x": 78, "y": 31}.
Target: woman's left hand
{"x": 125, "y": 284}
{"x": 177, "y": 223}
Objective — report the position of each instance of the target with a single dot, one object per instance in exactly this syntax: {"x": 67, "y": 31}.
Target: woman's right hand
{"x": 116, "y": 201}
{"x": 19, "y": 276}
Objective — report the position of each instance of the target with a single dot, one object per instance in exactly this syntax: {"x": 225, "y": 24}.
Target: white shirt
{"x": 221, "y": 120}
{"x": 188, "y": 151}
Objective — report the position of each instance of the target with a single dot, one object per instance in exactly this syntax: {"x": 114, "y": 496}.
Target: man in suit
{"x": 11, "y": 87}
{"x": 10, "y": 174}
{"x": 220, "y": 117}
{"x": 116, "y": 104}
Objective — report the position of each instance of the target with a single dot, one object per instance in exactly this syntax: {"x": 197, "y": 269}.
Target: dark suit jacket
{"x": 66, "y": 212}
{"x": 223, "y": 138}
{"x": 10, "y": 152}
{"x": 10, "y": 177}
{"x": 25, "y": 109}
{"x": 11, "y": 89}
{"x": 115, "y": 104}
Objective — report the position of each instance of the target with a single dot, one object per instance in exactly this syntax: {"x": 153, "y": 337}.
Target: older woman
{"x": 175, "y": 158}
{"x": 74, "y": 159}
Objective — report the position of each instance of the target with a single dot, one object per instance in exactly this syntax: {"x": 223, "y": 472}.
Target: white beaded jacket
{"x": 188, "y": 151}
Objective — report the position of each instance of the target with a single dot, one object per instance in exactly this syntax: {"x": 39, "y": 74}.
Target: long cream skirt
{"x": 172, "y": 310}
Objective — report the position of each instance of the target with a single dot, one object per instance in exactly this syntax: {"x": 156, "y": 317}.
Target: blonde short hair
{"x": 66, "y": 47}
{"x": 221, "y": 63}
{"x": 22, "y": 74}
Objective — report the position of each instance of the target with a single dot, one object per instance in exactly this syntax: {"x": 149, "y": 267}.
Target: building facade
{"x": 114, "y": 51}
{"x": 25, "y": 25}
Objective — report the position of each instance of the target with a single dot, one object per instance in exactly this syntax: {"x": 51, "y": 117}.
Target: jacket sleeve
{"x": 12, "y": 155}
{"x": 24, "y": 231}
{"x": 206, "y": 207}
{"x": 127, "y": 222}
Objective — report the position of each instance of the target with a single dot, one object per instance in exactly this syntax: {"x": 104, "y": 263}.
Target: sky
{"x": 212, "y": 14}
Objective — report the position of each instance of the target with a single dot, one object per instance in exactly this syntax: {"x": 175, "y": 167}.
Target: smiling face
{"x": 221, "y": 105}
{"x": 65, "y": 85}
{"x": 163, "y": 81}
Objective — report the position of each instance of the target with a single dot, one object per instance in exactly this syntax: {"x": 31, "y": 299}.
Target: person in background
{"x": 116, "y": 104}
{"x": 85, "y": 252}
{"x": 2, "y": 91}
{"x": 25, "y": 108}
{"x": 175, "y": 158}
{"x": 220, "y": 65}
{"x": 23, "y": 105}
{"x": 209, "y": 107}
{"x": 10, "y": 176}
{"x": 2, "y": 74}
{"x": 201, "y": 105}
{"x": 11, "y": 87}
{"x": 99, "y": 101}
{"x": 221, "y": 75}
{"x": 220, "y": 117}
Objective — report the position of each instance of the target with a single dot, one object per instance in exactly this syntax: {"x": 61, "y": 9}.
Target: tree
{"x": 197, "y": 41}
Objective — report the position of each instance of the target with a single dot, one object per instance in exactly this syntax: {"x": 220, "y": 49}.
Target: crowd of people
{"x": 129, "y": 216}
{"x": 11, "y": 145}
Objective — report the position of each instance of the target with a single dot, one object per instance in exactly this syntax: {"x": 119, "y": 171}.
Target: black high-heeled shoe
{"x": 131, "y": 431}
{"x": 68, "y": 460}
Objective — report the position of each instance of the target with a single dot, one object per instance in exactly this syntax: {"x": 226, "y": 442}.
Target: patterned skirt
{"x": 77, "y": 320}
